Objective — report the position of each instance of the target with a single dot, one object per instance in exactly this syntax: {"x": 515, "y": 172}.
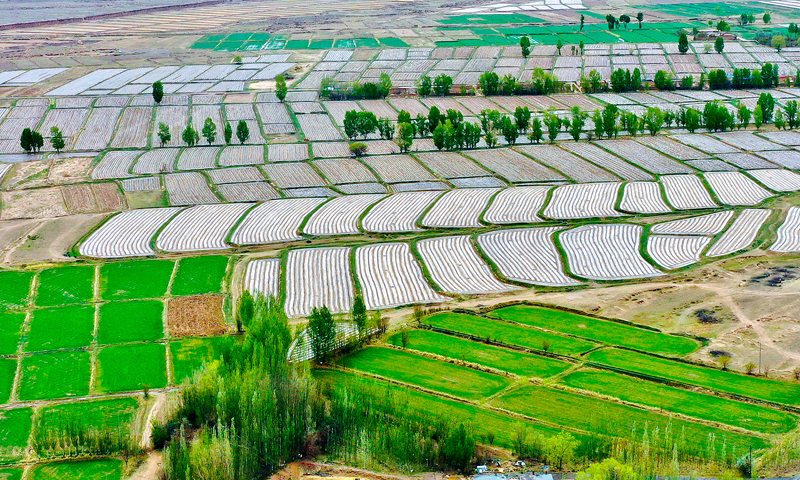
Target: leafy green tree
{"x": 611, "y": 20}
{"x": 57, "y": 139}
{"x": 386, "y": 129}
{"x": 472, "y": 135}
{"x": 209, "y": 130}
{"x": 693, "y": 120}
{"x": 405, "y": 136}
{"x": 632, "y": 123}
{"x": 723, "y": 26}
{"x": 625, "y": 20}
{"x": 779, "y": 119}
{"x": 609, "y": 468}
{"x": 424, "y": 86}
{"x": 228, "y": 133}
{"x": 522, "y": 115}
{"x": 455, "y": 117}
{"x": 560, "y": 449}
{"x": 751, "y": 18}
{"x": 669, "y": 118}
{"x": 158, "y": 92}
{"x": 358, "y": 149}
{"x": 280, "y": 87}
{"x": 322, "y": 331}
{"x": 242, "y": 131}
{"x": 683, "y": 43}
{"x": 163, "y": 133}
{"x": 583, "y": 20}
{"x": 439, "y": 136}
{"x": 246, "y": 310}
{"x": 778, "y": 42}
{"x": 421, "y": 125}
{"x": 791, "y": 113}
{"x": 577, "y": 122}
{"x": 559, "y": 46}
{"x": 610, "y": 115}
{"x": 758, "y": 117}
{"x": 190, "y": 136}
{"x": 640, "y": 18}
{"x": 597, "y": 119}
{"x": 490, "y": 83}
{"x": 767, "y": 103}
{"x": 442, "y": 85}
{"x": 509, "y": 131}
{"x": 458, "y": 450}
{"x": 525, "y": 45}
{"x": 553, "y": 124}
{"x": 719, "y": 44}
{"x": 743, "y": 19}
{"x": 26, "y": 140}
{"x": 536, "y": 134}
{"x": 767, "y": 17}
{"x": 435, "y": 117}
{"x": 743, "y": 114}
{"x": 510, "y": 85}
{"x": 351, "y": 124}
{"x": 653, "y": 120}
{"x": 37, "y": 141}
{"x": 403, "y": 117}
{"x": 687, "y": 82}
{"x": 663, "y": 80}
{"x": 359, "y": 314}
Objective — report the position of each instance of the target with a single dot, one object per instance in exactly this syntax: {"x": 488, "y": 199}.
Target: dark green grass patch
{"x": 65, "y": 285}
{"x": 508, "y": 333}
{"x": 753, "y": 387}
{"x": 393, "y": 42}
{"x": 344, "y": 43}
{"x": 132, "y": 367}
{"x": 135, "y": 279}
{"x": 66, "y": 327}
{"x": 199, "y": 275}
{"x": 599, "y": 330}
{"x": 8, "y": 368}
{"x": 595, "y": 415}
{"x": 433, "y": 374}
{"x": 109, "y": 469}
{"x": 10, "y": 331}
{"x": 366, "y": 43}
{"x": 322, "y": 44}
{"x": 55, "y": 375}
{"x": 296, "y": 45}
{"x": 489, "y": 355}
{"x": 698, "y": 405}
{"x": 134, "y": 321}
{"x": 16, "y": 287}
{"x": 15, "y": 427}
{"x": 11, "y": 473}
{"x": 113, "y": 415}
{"x": 188, "y": 355}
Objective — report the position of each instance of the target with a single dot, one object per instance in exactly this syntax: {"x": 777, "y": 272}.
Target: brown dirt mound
{"x": 196, "y": 316}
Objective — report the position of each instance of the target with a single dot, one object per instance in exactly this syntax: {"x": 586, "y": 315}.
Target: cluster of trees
{"x": 624, "y": 20}
{"x": 361, "y": 124}
{"x": 191, "y": 136}
{"x": 767, "y": 77}
{"x": 439, "y": 86}
{"x": 31, "y": 141}
{"x": 334, "y": 90}
{"x": 625, "y": 80}
{"x": 542, "y": 83}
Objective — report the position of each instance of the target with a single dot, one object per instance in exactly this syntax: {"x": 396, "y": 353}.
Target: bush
{"x": 358, "y": 149}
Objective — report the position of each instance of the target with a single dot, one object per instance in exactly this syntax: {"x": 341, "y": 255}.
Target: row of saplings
{"x": 450, "y": 131}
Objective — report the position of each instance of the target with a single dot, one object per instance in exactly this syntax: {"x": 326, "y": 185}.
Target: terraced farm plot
{"x": 10, "y": 333}
{"x": 274, "y": 113}
{"x": 399, "y": 212}
{"x": 317, "y": 277}
{"x": 294, "y": 175}
{"x": 176, "y": 117}
{"x": 318, "y": 127}
{"x": 345, "y": 170}
{"x": 65, "y": 285}
{"x": 115, "y": 164}
{"x": 287, "y": 152}
{"x": 459, "y": 208}
{"x": 517, "y": 205}
{"x": 248, "y": 191}
{"x": 127, "y": 234}
{"x": 68, "y": 120}
{"x": 508, "y": 333}
{"x": 274, "y": 221}
{"x": 687, "y": 192}
{"x": 135, "y": 321}
{"x": 513, "y": 166}
{"x": 200, "y": 228}
{"x": 134, "y": 128}
{"x": 135, "y": 279}
{"x": 674, "y": 149}
{"x": 15, "y": 427}
{"x": 391, "y": 277}
{"x": 189, "y": 354}
{"x": 199, "y": 115}
{"x": 8, "y": 370}
{"x": 237, "y": 155}
{"x": 748, "y": 141}
{"x": 263, "y": 276}
{"x": 707, "y": 407}
{"x": 99, "y": 129}
{"x": 606, "y": 252}
{"x": 777, "y": 180}
{"x": 189, "y": 188}
{"x": 710, "y": 224}
{"x": 427, "y": 373}
{"x": 499, "y": 358}
{"x": 788, "y": 234}
{"x": 16, "y": 288}
{"x": 199, "y": 275}
{"x": 705, "y": 143}
{"x": 131, "y": 367}
{"x": 60, "y": 328}
{"x": 198, "y": 158}
{"x": 565, "y": 162}
{"x": 643, "y": 197}
{"x": 741, "y": 234}
{"x": 161, "y": 160}
{"x": 745, "y": 160}
{"x": 451, "y": 165}
{"x": 676, "y": 251}
{"x": 236, "y": 175}
{"x": 644, "y": 157}
{"x": 585, "y": 200}
{"x": 753, "y": 387}
{"x": 398, "y": 168}
{"x": 340, "y": 216}
{"x": 55, "y": 375}
{"x": 783, "y": 137}
{"x": 734, "y": 188}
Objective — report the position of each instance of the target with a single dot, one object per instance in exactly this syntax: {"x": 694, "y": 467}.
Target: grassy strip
{"x": 427, "y": 373}
{"x": 707, "y": 407}
{"x": 513, "y": 361}
{"x": 729, "y": 382}
{"x": 508, "y": 333}
{"x": 599, "y": 330}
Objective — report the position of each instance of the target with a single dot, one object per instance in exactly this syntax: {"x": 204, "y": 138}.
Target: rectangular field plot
{"x": 776, "y": 179}
{"x": 135, "y": 321}
{"x": 599, "y": 330}
{"x": 399, "y": 212}
{"x": 711, "y": 378}
{"x": 161, "y": 160}
{"x": 15, "y": 428}
{"x": 676, "y": 251}
{"x": 287, "y": 152}
{"x": 345, "y": 170}
{"x": 584, "y": 200}
{"x": 643, "y": 197}
{"x": 514, "y": 166}
{"x": 189, "y": 188}
{"x": 10, "y": 333}
{"x": 199, "y": 275}
{"x": 644, "y": 157}
{"x": 237, "y": 155}
{"x": 671, "y": 147}
{"x": 318, "y": 127}
{"x": 748, "y": 141}
{"x": 785, "y": 158}
{"x": 115, "y": 164}
{"x": 317, "y": 277}
{"x": 16, "y": 288}
{"x": 202, "y": 227}
{"x": 391, "y": 277}
{"x": 294, "y": 175}
{"x": 8, "y": 369}
{"x": 427, "y": 373}
{"x": 459, "y": 208}
{"x": 198, "y": 158}
{"x": 135, "y": 279}
{"x": 686, "y": 192}
{"x": 705, "y": 143}
{"x": 134, "y": 128}
{"x": 508, "y": 333}
{"x": 176, "y": 117}
{"x": 131, "y": 367}
{"x": 565, "y": 162}
{"x": 60, "y": 328}
{"x": 340, "y": 216}
{"x": 189, "y": 354}
{"x": 99, "y": 129}
{"x": 734, "y": 188}
{"x": 710, "y": 224}
{"x": 127, "y": 234}
{"x": 263, "y": 277}
{"x": 741, "y": 234}
{"x": 606, "y": 252}
{"x": 55, "y": 375}
{"x": 95, "y": 469}
{"x": 398, "y": 168}
{"x": 451, "y": 165}
{"x": 517, "y": 205}
{"x": 65, "y": 285}
{"x": 248, "y": 191}
{"x": 274, "y": 221}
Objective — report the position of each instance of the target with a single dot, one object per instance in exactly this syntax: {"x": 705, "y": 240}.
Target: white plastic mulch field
{"x": 517, "y": 205}
{"x": 606, "y": 252}
{"x": 399, "y": 212}
{"x": 200, "y": 228}
{"x": 274, "y": 221}
{"x": 741, "y": 234}
{"x": 340, "y": 216}
{"x": 567, "y": 163}
{"x": 317, "y": 277}
{"x": 734, "y": 188}
{"x": 687, "y": 192}
{"x": 643, "y": 197}
{"x": 777, "y": 179}
{"x": 583, "y": 200}
{"x": 710, "y": 224}
{"x": 514, "y": 166}
{"x": 115, "y": 164}
{"x": 788, "y": 233}
{"x": 459, "y": 208}
{"x": 263, "y": 277}
{"x": 127, "y": 234}
{"x": 676, "y": 251}
{"x": 189, "y": 188}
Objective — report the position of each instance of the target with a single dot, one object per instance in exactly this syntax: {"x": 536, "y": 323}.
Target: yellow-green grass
{"x": 504, "y": 427}
{"x": 199, "y": 275}
{"x": 56, "y": 328}
{"x": 605, "y": 331}
{"x": 130, "y": 321}
{"x": 435, "y": 375}
{"x": 508, "y": 333}
{"x": 16, "y": 288}
{"x": 707, "y": 407}
{"x": 15, "y": 427}
{"x": 11, "y": 473}
{"x": 594, "y": 415}
{"x": 135, "y": 279}
{"x": 713, "y": 379}
{"x": 10, "y": 332}
{"x": 55, "y": 375}
{"x": 132, "y": 367}
{"x": 65, "y": 285}
{"x": 8, "y": 368}
{"x": 99, "y": 415}
{"x": 189, "y": 354}
{"x": 106, "y": 469}
{"x": 512, "y": 361}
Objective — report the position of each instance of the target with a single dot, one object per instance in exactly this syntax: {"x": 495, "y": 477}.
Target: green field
{"x": 427, "y": 373}
{"x": 605, "y": 331}
{"x": 189, "y": 354}
{"x": 16, "y": 288}
{"x": 508, "y": 333}
{"x": 594, "y": 415}
{"x": 8, "y": 368}
{"x": 10, "y": 332}
{"x": 66, "y": 327}
{"x": 11, "y": 473}
{"x": 79, "y": 470}
{"x": 698, "y": 405}
{"x": 15, "y": 427}
{"x": 65, "y": 285}
{"x": 132, "y": 321}
{"x": 753, "y": 387}
{"x": 198, "y": 275}
{"x": 115, "y": 414}
{"x": 491, "y": 356}
{"x": 55, "y": 375}
{"x": 135, "y": 279}
{"x": 132, "y": 367}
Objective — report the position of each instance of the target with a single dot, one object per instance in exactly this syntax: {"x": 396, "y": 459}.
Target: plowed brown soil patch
{"x": 196, "y": 316}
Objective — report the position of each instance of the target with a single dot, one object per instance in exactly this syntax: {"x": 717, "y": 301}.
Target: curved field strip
{"x": 248, "y": 191}
{"x": 514, "y": 166}
{"x": 399, "y": 212}
{"x": 274, "y": 221}
{"x": 671, "y": 147}
{"x": 676, "y": 251}
{"x": 645, "y": 157}
{"x": 705, "y": 143}
{"x": 287, "y": 152}
{"x": 687, "y": 192}
{"x": 134, "y": 128}
{"x": 317, "y": 277}
{"x": 748, "y": 141}
{"x": 236, "y": 175}
{"x": 344, "y": 170}
{"x": 340, "y": 215}
{"x": 115, "y": 164}
{"x": 127, "y": 234}
{"x": 456, "y": 267}
{"x": 776, "y": 179}
{"x": 785, "y": 158}
{"x": 584, "y": 200}
{"x": 263, "y": 277}
{"x": 567, "y": 163}
{"x": 643, "y": 197}
{"x": 459, "y": 208}
{"x": 451, "y": 165}
{"x": 99, "y": 129}
{"x": 398, "y": 168}
{"x": 202, "y": 227}
{"x": 161, "y": 160}
{"x": 517, "y": 205}
{"x": 198, "y": 158}
{"x": 606, "y": 252}
{"x": 141, "y": 184}
{"x": 788, "y": 233}
{"x": 710, "y": 224}
{"x": 734, "y": 188}
{"x": 189, "y": 188}
{"x": 390, "y": 277}
{"x": 741, "y": 234}
{"x": 608, "y": 161}
{"x": 293, "y": 175}
{"x": 526, "y": 255}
